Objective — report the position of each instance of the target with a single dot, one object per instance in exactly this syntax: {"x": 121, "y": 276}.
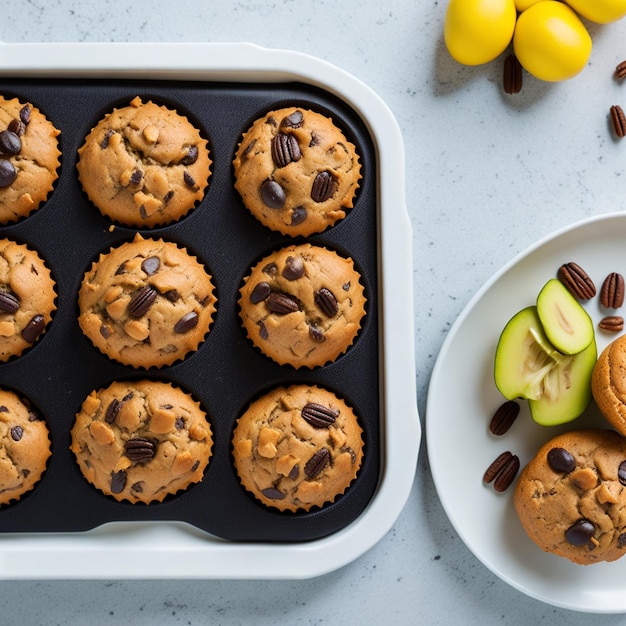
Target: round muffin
{"x": 27, "y": 298}
{"x": 571, "y": 497}
{"x": 608, "y": 383}
{"x": 296, "y": 172}
{"x": 29, "y": 159}
{"x": 297, "y": 447}
{"x": 141, "y": 441}
{"x": 144, "y": 165}
{"x": 302, "y": 305}
{"x": 146, "y": 303}
{"x": 24, "y": 447}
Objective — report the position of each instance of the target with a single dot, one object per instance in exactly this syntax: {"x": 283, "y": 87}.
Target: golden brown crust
{"x": 306, "y": 158}
{"x": 144, "y": 165}
{"x": 297, "y": 447}
{"x": 35, "y": 165}
{"x": 141, "y": 440}
{"x": 327, "y": 298}
{"x": 580, "y": 496}
{"x": 24, "y": 447}
{"x": 177, "y": 310}
{"x": 608, "y": 383}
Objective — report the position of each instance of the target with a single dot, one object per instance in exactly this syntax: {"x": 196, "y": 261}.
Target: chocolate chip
{"x": 579, "y": 533}
{"x": 118, "y": 481}
{"x": 16, "y": 433}
{"x": 151, "y": 265}
{"x": 318, "y": 415}
{"x": 168, "y": 196}
{"x": 285, "y": 150}
{"x": 326, "y": 301}
{"x": 17, "y": 126}
{"x": 273, "y": 494}
{"x": 105, "y": 330}
{"x": 295, "y": 472}
{"x": 260, "y": 292}
{"x": 10, "y": 143}
{"x": 294, "y": 268}
{"x": 9, "y": 302}
{"x": 621, "y": 541}
{"x": 317, "y": 463}
{"x": 4, "y": 409}
{"x": 298, "y": 215}
{"x": 273, "y": 194}
{"x": 141, "y": 301}
{"x": 317, "y": 334}
{"x": 179, "y": 424}
{"x": 621, "y": 473}
{"x": 136, "y": 177}
{"x": 140, "y": 449}
{"x": 324, "y": 186}
{"x": 25, "y": 113}
{"x": 171, "y": 295}
{"x": 263, "y": 330}
{"x": 34, "y": 328}
{"x": 282, "y": 303}
{"x": 186, "y": 322}
{"x": 191, "y": 157}
{"x": 105, "y": 140}
{"x": 271, "y": 269}
{"x": 560, "y": 460}
{"x": 8, "y": 173}
{"x": 293, "y": 120}
{"x": 189, "y": 179}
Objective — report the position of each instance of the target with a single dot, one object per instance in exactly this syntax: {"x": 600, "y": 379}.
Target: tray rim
{"x": 167, "y": 550}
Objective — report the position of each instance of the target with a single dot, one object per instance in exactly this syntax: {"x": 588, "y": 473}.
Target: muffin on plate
{"x": 302, "y": 305}
{"x": 29, "y": 159}
{"x": 297, "y": 447}
{"x": 146, "y": 302}
{"x": 141, "y": 441}
{"x": 296, "y": 172}
{"x": 144, "y": 165}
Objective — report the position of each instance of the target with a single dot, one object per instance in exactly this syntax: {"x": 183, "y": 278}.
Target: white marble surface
{"x": 488, "y": 174}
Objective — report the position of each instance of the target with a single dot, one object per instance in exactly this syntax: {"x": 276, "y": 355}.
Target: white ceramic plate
{"x": 462, "y": 398}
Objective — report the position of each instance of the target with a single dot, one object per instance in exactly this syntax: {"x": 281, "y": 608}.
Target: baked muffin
{"x": 297, "y": 447}
{"x": 296, "y": 172}
{"x": 144, "y": 165}
{"x": 571, "y": 497}
{"x": 608, "y": 383}
{"x": 302, "y": 305}
{"x": 146, "y": 303}
{"x": 29, "y": 159}
{"x": 27, "y": 298}
{"x": 141, "y": 441}
{"x": 24, "y": 447}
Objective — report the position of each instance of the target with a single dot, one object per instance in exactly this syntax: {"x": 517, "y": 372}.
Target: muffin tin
{"x": 230, "y": 87}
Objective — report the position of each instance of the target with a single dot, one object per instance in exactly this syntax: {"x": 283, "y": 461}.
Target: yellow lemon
{"x": 522, "y": 5}
{"x": 599, "y": 11}
{"x": 551, "y": 42}
{"x": 477, "y": 31}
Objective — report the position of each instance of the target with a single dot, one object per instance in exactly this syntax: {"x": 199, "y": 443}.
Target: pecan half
{"x": 620, "y": 70}
{"x": 9, "y": 302}
{"x": 318, "y": 415}
{"x": 285, "y": 150}
{"x": 577, "y": 281}
{"x": 139, "y": 449}
{"x": 141, "y": 301}
{"x": 325, "y": 300}
{"x": 282, "y": 303}
{"x": 317, "y": 463}
{"x": 504, "y": 417}
{"x": 618, "y": 119}
{"x": 502, "y": 471}
{"x": 612, "y": 323}
{"x": 512, "y": 76}
{"x": 612, "y": 291}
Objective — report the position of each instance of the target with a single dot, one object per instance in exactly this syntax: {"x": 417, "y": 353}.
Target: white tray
{"x": 177, "y": 550}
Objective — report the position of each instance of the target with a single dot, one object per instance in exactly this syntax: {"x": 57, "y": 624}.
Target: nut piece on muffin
{"x": 141, "y": 441}
{"x": 146, "y": 303}
{"x": 297, "y": 447}
{"x": 144, "y": 165}
{"x": 29, "y": 159}
{"x": 296, "y": 172}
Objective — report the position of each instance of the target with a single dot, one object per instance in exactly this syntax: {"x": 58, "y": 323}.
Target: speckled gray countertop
{"x": 487, "y": 175}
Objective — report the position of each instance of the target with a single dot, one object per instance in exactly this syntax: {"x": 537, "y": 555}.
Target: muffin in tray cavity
{"x": 27, "y": 298}
{"x": 303, "y": 305}
{"x": 24, "y": 446}
{"x": 296, "y": 172}
{"x": 146, "y": 303}
{"x": 141, "y": 441}
{"x": 297, "y": 447}
{"x": 144, "y": 165}
{"x": 29, "y": 159}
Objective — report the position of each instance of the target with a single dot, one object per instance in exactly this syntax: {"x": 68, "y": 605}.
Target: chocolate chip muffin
{"x": 24, "y": 447}
{"x": 303, "y": 305}
{"x": 144, "y": 165}
{"x": 146, "y": 303}
{"x": 141, "y": 441}
{"x": 29, "y": 159}
{"x": 608, "y": 383}
{"x": 27, "y": 298}
{"x": 296, "y": 172}
{"x": 571, "y": 497}
{"x": 297, "y": 447}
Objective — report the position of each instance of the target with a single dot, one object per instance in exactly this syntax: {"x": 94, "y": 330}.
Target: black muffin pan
{"x": 227, "y": 372}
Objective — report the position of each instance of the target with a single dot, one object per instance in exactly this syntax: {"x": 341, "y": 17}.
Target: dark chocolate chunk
{"x": 191, "y": 157}
{"x": 10, "y": 143}
{"x": 186, "y": 322}
{"x": 8, "y": 173}
{"x": 317, "y": 334}
{"x": 263, "y": 330}
{"x": 34, "y": 328}
{"x": 151, "y": 265}
{"x": 189, "y": 179}
{"x": 621, "y": 472}
{"x": 298, "y": 215}
{"x": 560, "y": 460}
{"x": 25, "y": 113}
{"x": 136, "y": 177}
{"x": 293, "y": 120}
{"x": 17, "y": 126}
{"x": 260, "y": 292}
{"x": 273, "y": 494}
{"x": 273, "y": 194}
{"x": 580, "y": 532}
{"x": 16, "y": 433}
{"x": 294, "y": 268}
{"x": 271, "y": 269}
{"x": 118, "y": 481}
{"x": 108, "y": 133}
